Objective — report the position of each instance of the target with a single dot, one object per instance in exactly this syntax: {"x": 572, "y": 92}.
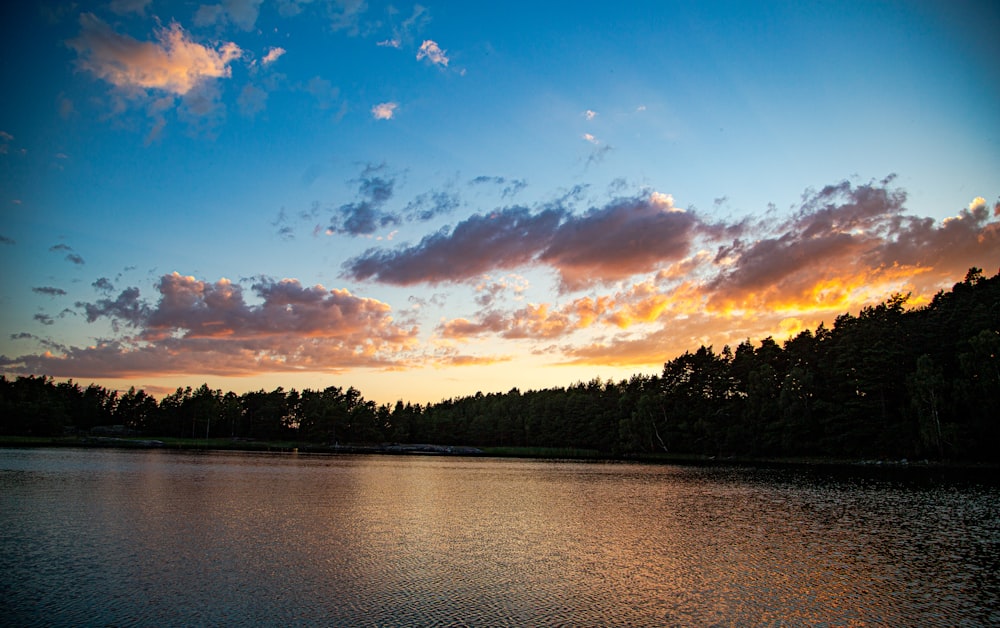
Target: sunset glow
{"x": 428, "y": 201}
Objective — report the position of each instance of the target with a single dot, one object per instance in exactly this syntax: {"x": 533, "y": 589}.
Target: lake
{"x": 173, "y": 538}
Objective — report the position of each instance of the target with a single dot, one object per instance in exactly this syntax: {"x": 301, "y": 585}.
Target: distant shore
{"x": 549, "y": 453}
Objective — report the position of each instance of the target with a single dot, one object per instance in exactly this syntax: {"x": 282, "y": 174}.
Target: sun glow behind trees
{"x": 887, "y": 383}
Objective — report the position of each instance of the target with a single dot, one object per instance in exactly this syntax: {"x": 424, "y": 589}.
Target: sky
{"x": 425, "y": 201}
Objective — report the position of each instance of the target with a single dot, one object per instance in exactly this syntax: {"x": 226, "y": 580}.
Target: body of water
{"x": 167, "y": 538}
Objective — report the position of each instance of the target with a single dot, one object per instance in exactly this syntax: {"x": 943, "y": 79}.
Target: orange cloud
{"x": 173, "y": 63}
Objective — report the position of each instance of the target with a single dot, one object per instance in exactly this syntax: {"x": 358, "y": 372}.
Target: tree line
{"x": 889, "y": 382}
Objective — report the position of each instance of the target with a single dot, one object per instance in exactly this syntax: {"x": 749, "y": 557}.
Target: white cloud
{"x": 590, "y": 138}
{"x": 431, "y": 51}
{"x": 389, "y": 43}
{"x": 384, "y": 111}
{"x": 663, "y": 202}
{"x": 590, "y": 114}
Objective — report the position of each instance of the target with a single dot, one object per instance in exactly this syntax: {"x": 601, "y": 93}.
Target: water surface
{"x": 115, "y": 537}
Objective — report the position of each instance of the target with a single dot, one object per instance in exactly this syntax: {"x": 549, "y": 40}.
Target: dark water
{"x": 110, "y": 537}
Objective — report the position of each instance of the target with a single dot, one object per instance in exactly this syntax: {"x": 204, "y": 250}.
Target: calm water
{"x": 111, "y": 537}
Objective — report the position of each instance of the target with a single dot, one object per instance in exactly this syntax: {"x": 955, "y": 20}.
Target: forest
{"x": 888, "y": 383}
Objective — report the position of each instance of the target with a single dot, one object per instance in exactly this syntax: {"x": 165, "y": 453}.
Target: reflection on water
{"x": 108, "y": 537}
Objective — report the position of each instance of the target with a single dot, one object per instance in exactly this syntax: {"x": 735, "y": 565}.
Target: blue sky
{"x": 428, "y": 200}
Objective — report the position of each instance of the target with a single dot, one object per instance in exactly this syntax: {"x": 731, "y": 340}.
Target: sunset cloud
{"x": 844, "y": 245}
{"x": 173, "y": 63}
{"x": 848, "y": 231}
{"x": 211, "y": 328}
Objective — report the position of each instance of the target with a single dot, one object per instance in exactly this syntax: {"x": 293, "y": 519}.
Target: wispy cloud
{"x": 124, "y": 7}
{"x": 49, "y": 291}
{"x": 345, "y": 15}
{"x": 70, "y": 255}
{"x": 367, "y": 214}
{"x": 508, "y": 187}
{"x": 242, "y": 13}
{"x": 431, "y": 51}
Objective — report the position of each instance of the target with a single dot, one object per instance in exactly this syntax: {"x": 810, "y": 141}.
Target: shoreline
{"x": 560, "y": 453}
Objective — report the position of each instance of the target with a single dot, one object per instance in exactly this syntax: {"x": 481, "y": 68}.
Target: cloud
{"x": 70, "y": 255}
{"x": 173, "y": 63}
{"x": 366, "y": 215}
{"x": 210, "y": 328}
{"x": 590, "y": 138}
{"x": 103, "y": 284}
{"x": 127, "y": 308}
{"x": 598, "y": 154}
{"x": 251, "y": 101}
{"x": 345, "y": 15}
{"x": 534, "y": 321}
{"x": 242, "y": 13}
{"x": 5, "y": 240}
{"x": 507, "y": 239}
{"x": 385, "y": 110}
{"x": 432, "y": 52}
{"x": 403, "y": 32}
{"x": 841, "y": 238}
{"x": 605, "y": 244}
{"x": 509, "y": 187}
{"x": 324, "y": 91}
{"x": 123, "y": 7}
{"x": 273, "y": 54}
{"x": 49, "y": 291}
{"x": 429, "y": 205}
{"x": 619, "y": 240}
{"x": 589, "y": 114}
